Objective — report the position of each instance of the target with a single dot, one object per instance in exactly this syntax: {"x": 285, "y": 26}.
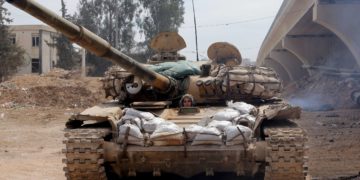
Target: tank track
{"x": 84, "y": 154}
{"x": 285, "y": 154}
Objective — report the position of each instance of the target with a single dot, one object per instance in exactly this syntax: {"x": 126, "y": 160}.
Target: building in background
{"x": 39, "y": 43}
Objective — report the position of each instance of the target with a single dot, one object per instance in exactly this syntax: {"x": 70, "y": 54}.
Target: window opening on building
{"x": 12, "y": 39}
{"x": 35, "y": 65}
{"x": 35, "y": 41}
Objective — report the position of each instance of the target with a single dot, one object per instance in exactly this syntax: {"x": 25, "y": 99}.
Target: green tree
{"x": 64, "y": 46}
{"x": 159, "y": 16}
{"x": 112, "y": 20}
{"x": 90, "y": 16}
{"x": 119, "y": 23}
{"x": 11, "y": 55}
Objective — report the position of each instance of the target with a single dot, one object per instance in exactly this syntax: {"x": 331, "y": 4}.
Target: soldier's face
{"x": 187, "y": 102}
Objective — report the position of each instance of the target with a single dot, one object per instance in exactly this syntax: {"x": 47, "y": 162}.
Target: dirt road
{"x": 31, "y": 143}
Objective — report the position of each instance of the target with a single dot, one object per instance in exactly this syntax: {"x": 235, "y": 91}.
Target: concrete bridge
{"x": 310, "y": 36}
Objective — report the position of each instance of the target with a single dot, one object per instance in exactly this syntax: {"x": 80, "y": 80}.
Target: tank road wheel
{"x": 84, "y": 153}
{"x": 285, "y": 154}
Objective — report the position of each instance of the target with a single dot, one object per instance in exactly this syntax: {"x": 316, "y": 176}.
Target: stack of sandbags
{"x": 167, "y": 134}
{"x": 137, "y": 122}
{"x": 235, "y": 137}
{"x": 247, "y": 111}
{"x": 259, "y": 82}
{"x": 148, "y": 121}
{"x": 226, "y": 121}
{"x": 236, "y": 113}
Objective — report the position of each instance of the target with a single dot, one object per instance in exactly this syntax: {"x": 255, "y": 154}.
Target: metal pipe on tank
{"x": 93, "y": 43}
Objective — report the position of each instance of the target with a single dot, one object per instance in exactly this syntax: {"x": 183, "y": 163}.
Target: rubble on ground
{"x": 57, "y": 88}
{"x": 64, "y": 74}
{"x": 323, "y": 92}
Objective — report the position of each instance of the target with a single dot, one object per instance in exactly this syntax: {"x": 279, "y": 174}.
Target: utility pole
{"x": 196, "y": 41}
{"x": 83, "y": 63}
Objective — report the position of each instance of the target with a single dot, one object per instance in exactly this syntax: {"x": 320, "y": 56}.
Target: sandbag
{"x": 208, "y": 136}
{"x": 134, "y": 130}
{"x": 227, "y": 114}
{"x": 232, "y": 133}
{"x": 192, "y": 130}
{"x": 220, "y": 125}
{"x": 242, "y": 107}
{"x": 141, "y": 114}
{"x": 150, "y": 125}
{"x": 165, "y": 129}
{"x": 245, "y": 120}
{"x": 128, "y": 119}
{"x": 134, "y": 137}
{"x": 167, "y": 134}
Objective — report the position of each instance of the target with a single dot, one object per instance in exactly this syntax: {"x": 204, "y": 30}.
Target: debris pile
{"x": 54, "y": 89}
{"x": 323, "y": 92}
{"x": 64, "y": 74}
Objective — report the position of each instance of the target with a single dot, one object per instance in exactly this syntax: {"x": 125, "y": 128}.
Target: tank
{"x": 234, "y": 125}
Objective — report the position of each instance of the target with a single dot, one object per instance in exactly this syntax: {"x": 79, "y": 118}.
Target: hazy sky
{"x": 243, "y": 23}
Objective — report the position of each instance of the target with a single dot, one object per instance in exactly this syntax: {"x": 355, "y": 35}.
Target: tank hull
{"x": 278, "y": 152}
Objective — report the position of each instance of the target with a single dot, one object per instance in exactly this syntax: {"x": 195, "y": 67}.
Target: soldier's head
{"x": 187, "y": 101}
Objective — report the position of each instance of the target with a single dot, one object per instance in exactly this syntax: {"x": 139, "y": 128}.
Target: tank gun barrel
{"x": 93, "y": 43}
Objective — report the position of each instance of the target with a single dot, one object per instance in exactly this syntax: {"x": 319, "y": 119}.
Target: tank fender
{"x": 279, "y": 110}
{"x": 106, "y": 112}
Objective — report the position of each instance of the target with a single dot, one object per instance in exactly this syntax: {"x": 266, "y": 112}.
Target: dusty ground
{"x": 334, "y": 143}
{"x": 31, "y": 142}
{"x": 34, "y": 109}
